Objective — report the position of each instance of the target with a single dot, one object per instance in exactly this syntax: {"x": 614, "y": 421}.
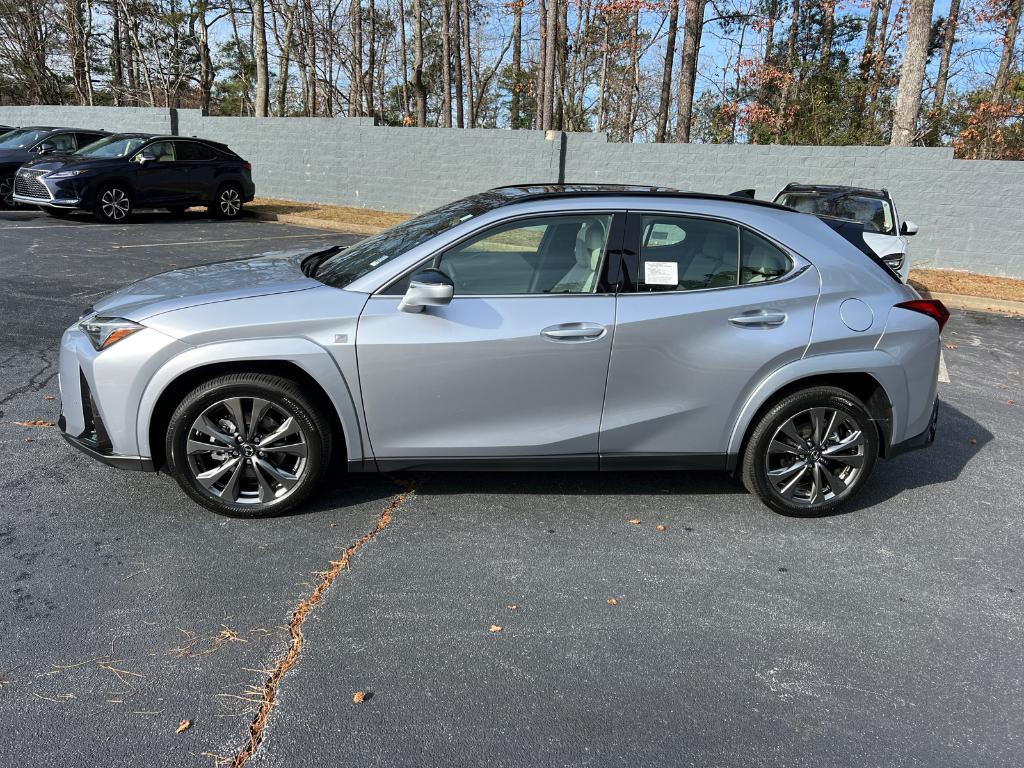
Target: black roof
{"x": 517, "y": 193}
{"x": 838, "y": 189}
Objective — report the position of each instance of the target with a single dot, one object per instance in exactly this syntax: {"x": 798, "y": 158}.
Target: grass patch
{"x": 359, "y": 220}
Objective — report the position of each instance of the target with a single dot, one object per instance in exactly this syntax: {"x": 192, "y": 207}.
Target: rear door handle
{"x": 759, "y": 319}
{"x": 574, "y": 332}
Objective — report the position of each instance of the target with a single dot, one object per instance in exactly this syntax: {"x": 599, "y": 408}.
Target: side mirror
{"x": 909, "y": 229}
{"x": 45, "y": 148}
{"x": 428, "y": 288}
{"x": 146, "y": 157}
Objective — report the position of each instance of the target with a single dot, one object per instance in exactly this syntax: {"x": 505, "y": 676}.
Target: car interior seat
{"x": 582, "y": 276}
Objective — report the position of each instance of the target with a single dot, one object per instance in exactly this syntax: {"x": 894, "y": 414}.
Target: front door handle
{"x": 759, "y": 319}
{"x": 574, "y": 332}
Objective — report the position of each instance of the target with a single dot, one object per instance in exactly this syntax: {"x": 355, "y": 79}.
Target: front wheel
{"x": 248, "y": 445}
{"x": 113, "y": 204}
{"x": 811, "y": 452}
{"x": 7, "y": 192}
{"x": 228, "y": 203}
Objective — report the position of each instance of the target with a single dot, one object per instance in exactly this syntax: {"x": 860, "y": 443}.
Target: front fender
{"x": 307, "y": 355}
{"x": 886, "y": 370}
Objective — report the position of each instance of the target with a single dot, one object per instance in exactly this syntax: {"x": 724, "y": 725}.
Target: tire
{"x": 237, "y": 475}
{"x": 810, "y": 474}
{"x": 7, "y": 192}
{"x": 113, "y": 204}
{"x": 228, "y": 202}
{"x": 57, "y": 213}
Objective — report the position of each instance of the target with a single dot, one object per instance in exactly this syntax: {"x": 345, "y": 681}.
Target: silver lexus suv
{"x": 562, "y": 327}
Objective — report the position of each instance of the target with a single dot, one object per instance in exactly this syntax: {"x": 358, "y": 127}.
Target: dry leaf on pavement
{"x": 359, "y": 697}
{"x": 635, "y": 521}
{"x": 496, "y": 628}
{"x": 34, "y": 423}
{"x": 183, "y": 726}
{"x": 660, "y": 527}
{"x": 612, "y": 601}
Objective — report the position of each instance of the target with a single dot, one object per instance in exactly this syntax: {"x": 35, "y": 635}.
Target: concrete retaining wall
{"x": 968, "y": 211}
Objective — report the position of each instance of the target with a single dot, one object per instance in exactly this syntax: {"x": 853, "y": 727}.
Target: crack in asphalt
{"x": 37, "y": 381}
{"x": 299, "y": 616}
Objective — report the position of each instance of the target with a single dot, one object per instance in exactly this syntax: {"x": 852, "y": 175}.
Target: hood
{"x": 56, "y": 161}
{"x": 883, "y": 245}
{"x": 278, "y": 272}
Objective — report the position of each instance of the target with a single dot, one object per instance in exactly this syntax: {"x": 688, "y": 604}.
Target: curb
{"x": 976, "y": 303}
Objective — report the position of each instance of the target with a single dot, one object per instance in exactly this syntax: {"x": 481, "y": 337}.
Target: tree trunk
{"x": 405, "y": 62}
{"x": 116, "y": 65}
{"x": 550, "y": 34}
{"x": 417, "y": 67}
{"x": 602, "y": 98}
{"x": 693, "y": 27}
{"x": 446, "y": 64}
{"x": 948, "y": 38}
{"x": 262, "y": 70}
{"x": 664, "y": 103}
{"x": 908, "y": 97}
{"x": 460, "y": 111}
{"x": 515, "y": 108}
{"x": 467, "y": 48}
{"x": 1002, "y": 77}
{"x": 828, "y": 29}
{"x": 355, "y": 80}
{"x": 371, "y": 61}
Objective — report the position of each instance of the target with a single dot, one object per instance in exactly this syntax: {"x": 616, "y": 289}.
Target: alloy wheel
{"x": 815, "y": 456}
{"x": 115, "y": 204}
{"x": 247, "y": 450}
{"x": 230, "y": 202}
{"x": 7, "y": 191}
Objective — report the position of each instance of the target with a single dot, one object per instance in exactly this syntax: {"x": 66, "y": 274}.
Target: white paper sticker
{"x": 661, "y": 273}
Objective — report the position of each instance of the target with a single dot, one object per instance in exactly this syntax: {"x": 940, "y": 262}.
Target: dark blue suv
{"x": 20, "y": 145}
{"x": 118, "y": 174}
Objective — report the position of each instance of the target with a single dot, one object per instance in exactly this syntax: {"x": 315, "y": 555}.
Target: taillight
{"x": 247, "y": 165}
{"x": 934, "y": 308}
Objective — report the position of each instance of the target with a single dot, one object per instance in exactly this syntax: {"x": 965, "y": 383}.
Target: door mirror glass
{"x": 428, "y": 288}
{"x": 909, "y": 228}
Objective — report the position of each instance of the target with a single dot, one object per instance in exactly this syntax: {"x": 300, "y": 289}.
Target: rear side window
{"x": 687, "y": 254}
{"x": 190, "y": 150}
{"x": 85, "y": 139}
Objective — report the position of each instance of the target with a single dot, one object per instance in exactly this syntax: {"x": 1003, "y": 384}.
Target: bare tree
{"x": 693, "y": 27}
{"x": 664, "y": 102}
{"x": 262, "y": 101}
{"x": 908, "y": 97}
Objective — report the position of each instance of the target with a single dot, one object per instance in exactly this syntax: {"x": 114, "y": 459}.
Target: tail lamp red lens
{"x": 934, "y": 308}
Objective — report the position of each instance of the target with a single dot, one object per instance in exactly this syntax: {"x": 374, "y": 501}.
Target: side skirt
{"x": 573, "y": 463}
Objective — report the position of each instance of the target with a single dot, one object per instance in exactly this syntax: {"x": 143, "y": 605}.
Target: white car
{"x": 884, "y": 231}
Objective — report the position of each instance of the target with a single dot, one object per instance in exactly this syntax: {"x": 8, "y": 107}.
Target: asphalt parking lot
{"x": 890, "y": 635}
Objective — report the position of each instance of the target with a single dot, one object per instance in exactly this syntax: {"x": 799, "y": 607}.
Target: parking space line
{"x": 232, "y": 240}
{"x": 943, "y": 371}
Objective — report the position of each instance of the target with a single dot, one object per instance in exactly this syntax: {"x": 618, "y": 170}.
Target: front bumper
{"x": 36, "y": 188}
{"x": 922, "y": 440}
{"x": 90, "y": 448}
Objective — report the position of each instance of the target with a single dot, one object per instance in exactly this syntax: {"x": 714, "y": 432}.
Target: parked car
{"x": 554, "y": 327}
{"x": 121, "y": 173}
{"x": 884, "y": 231}
{"x": 20, "y": 145}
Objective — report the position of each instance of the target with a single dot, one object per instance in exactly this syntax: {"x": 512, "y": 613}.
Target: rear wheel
{"x": 228, "y": 203}
{"x": 248, "y": 445}
{"x": 113, "y": 204}
{"x": 811, "y": 452}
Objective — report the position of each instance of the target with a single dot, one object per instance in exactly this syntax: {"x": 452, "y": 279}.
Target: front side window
{"x": 680, "y": 253}
{"x": 549, "y": 254}
{"x": 62, "y": 142}
{"x": 163, "y": 151}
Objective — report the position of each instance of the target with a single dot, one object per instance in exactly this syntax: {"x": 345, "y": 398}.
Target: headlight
{"x": 104, "y": 332}
{"x": 64, "y": 174}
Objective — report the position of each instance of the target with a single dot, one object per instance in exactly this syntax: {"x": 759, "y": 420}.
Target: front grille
{"x": 27, "y": 184}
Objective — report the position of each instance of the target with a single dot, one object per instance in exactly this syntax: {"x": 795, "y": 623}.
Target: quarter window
{"x": 551, "y": 254}
{"x": 687, "y": 254}
{"x": 761, "y": 261}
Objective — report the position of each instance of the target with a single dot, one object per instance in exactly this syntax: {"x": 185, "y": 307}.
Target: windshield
{"x": 112, "y": 146}
{"x": 352, "y": 263}
{"x": 874, "y": 213}
{"x": 21, "y": 139}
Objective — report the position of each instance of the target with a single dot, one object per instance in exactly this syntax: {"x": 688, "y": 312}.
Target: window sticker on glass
{"x": 661, "y": 273}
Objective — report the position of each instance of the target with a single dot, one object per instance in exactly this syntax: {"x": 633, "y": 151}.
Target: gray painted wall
{"x": 968, "y": 211}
